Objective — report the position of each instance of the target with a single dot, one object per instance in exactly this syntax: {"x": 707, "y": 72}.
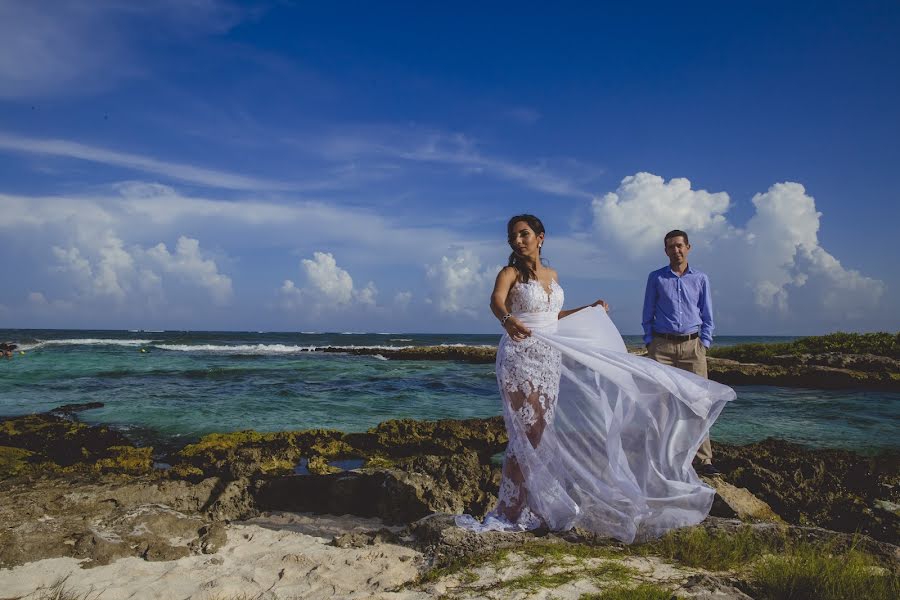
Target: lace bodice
{"x": 532, "y": 297}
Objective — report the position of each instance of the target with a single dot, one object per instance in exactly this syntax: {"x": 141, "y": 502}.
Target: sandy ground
{"x": 274, "y": 556}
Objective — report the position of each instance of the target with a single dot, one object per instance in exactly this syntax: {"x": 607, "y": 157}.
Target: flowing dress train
{"x": 598, "y": 438}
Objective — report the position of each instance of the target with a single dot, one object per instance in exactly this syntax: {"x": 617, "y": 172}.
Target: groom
{"x": 678, "y": 321}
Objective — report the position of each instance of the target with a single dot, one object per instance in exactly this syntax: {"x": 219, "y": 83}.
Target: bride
{"x": 598, "y": 438}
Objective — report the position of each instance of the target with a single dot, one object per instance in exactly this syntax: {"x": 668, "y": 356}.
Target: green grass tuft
{"x": 560, "y": 551}
{"x": 696, "y": 547}
{"x": 812, "y": 572}
{"x": 644, "y": 591}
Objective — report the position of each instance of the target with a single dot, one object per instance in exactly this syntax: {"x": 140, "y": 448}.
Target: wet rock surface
{"x": 835, "y": 489}
{"x": 91, "y": 506}
{"x": 817, "y": 372}
{"x": 827, "y": 370}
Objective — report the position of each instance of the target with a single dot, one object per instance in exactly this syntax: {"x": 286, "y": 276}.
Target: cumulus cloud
{"x": 459, "y": 285}
{"x": 772, "y": 267}
{"x": 328, "y": 287}
{"x": 188, "y": 264}
{"x": 109, "y": 273}
{"x": 645, "y": 207}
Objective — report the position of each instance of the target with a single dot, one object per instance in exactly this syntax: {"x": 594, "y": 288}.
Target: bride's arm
{"x": 506, "y": 278}
{"x": 566, "y": 313}
{"x": 571, "y": 311}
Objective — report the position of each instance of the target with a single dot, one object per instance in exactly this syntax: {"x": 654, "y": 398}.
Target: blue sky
{"x": 351, "y": 166}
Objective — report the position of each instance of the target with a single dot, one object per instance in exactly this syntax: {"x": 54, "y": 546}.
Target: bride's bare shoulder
{"x": 507, "y": 274}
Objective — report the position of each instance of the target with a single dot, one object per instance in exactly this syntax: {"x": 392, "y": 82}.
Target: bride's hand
{"x": 601, "y": 303}
{"x": 516, "y": 330}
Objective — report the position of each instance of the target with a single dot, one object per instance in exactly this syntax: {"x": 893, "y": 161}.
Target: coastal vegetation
{"x": 877, "y": 344}
{"x": 767, "y": 565}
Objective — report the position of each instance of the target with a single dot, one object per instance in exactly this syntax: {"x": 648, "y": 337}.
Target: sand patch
{"x": 273, "y": 556}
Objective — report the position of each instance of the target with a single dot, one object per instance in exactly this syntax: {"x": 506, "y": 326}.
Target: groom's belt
{"x": 676, "y": 337}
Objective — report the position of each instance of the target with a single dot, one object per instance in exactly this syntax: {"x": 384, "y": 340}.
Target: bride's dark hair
{"x": 515, "y": 261}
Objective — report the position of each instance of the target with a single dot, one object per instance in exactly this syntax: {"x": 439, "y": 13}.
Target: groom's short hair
{"x": 676, "y": 233}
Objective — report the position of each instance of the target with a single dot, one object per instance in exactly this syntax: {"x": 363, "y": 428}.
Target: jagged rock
{"x": 731, "y": 501}
{"x": 438, "y": 536}
{"x": 211, "y": 538}
{"x": 241, "y": 454}
{"x": 99, "y": 550}
{"x": 793, "y": 372}
{"x": 835, "y": 489}
{"x": 704, "y": 586}
{"x": 471, "y": 354}
{"x": 456, "y": 484}
{"x": 414, "y": 488}
{"x": 60, "y": 441}
{"x": 114, "y": 516}
{"x": 408, "y": 437}
{"x": 68, "y": 409}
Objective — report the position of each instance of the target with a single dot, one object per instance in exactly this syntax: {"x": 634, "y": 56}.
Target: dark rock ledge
{"x": 832, "y": 370}
{"x": 69, "y": 489}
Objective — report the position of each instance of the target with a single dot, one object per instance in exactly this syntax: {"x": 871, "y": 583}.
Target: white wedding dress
{"x": 598, "y": 438}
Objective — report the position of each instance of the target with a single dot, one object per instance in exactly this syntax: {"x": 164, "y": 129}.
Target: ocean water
{"x": 167, "y": 388}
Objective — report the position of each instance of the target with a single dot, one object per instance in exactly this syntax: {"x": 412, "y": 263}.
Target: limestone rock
{"x": 835, "y": 489}
{"x": 739, "y": 502}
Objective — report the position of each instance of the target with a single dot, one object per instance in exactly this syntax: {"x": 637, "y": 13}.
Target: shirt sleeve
{"x": 706, "y": 314}
{"x": 649, "y": 308}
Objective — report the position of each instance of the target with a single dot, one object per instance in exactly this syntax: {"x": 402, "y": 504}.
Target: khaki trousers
{"x": 689, "y": 355}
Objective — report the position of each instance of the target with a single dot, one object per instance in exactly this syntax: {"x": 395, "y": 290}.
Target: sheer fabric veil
{"x": 614, "y": 455}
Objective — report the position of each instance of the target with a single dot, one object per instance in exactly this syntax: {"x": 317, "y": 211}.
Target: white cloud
{"x": 645, "y": 207}
{"x": 772, "y": 271}
{"x": 106, "y": 273}
{"x": 459, "y": 285}
{"x": 188, "y": 264}
{"x": 328, "y": 287}
{"x": 327, "y": 280}
{"x": 182, "y": 172}
{"x": 367, "y": 295}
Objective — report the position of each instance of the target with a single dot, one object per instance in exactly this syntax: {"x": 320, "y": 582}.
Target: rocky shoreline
{"x": 827, "y": 370}
{"x": 84, "y": 494}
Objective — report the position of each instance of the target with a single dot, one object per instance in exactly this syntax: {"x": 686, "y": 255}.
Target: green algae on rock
{"x": 57, "y": 444}
{"x": 14, "y": 461}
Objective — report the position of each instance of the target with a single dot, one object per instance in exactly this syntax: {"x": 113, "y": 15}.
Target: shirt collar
{"x": 668, "y": 269}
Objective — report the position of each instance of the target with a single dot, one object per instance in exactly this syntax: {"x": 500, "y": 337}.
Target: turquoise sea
{"x": 167, "y": 388}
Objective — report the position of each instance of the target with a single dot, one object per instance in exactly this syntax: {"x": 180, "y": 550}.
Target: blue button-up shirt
{"x": 679, "y": 305}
